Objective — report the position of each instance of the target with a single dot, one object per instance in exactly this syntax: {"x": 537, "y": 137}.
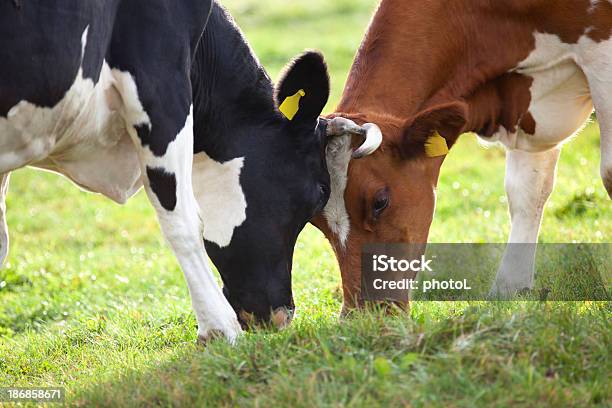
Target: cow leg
{"x": 167, "y": 180}
{"x": 530, "y": 179}
{"x": 4, "y": 237}
{"x": 602, "y": 94}
{"x": 594, "y": 59}
{"x": 605, "y": 126}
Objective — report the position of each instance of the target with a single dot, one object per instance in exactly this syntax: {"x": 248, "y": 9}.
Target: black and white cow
{"x": 116, "y": 95}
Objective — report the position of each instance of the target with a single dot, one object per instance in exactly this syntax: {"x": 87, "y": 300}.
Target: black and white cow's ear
{"x": 303, "y": 89}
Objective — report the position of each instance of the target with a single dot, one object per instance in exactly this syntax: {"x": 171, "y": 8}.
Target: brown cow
{"x": 525, "y": 73}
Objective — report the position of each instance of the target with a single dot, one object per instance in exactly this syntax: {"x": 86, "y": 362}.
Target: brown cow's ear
{"x": 447, "y": 119}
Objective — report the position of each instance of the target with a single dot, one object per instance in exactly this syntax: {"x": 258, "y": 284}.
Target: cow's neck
{"x": 231, "y": 89}
{"x": 416, "y": 55}
{"x": 377, "y": 83}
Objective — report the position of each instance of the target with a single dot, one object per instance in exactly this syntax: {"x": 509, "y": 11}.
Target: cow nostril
{"x": 281, "y": 317}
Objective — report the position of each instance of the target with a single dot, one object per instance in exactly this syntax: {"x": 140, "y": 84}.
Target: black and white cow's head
{"x": 285, "y": 182}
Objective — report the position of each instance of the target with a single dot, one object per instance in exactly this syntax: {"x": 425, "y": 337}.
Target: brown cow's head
{"x": 388, "y": 197}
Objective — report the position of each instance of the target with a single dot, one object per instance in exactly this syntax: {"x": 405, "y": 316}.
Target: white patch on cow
{"x": 338, "y": 156}
{"x": 127, "y": 95}
{"x": 500, "y": 138}
{"x": 82, "y": 134}
{"x": 220, "y": 197}
{"x": 560, "y": 97}
{"x": 84, "y": 42}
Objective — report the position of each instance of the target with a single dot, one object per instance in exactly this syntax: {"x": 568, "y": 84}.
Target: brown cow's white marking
{"x": 338, "y": 157}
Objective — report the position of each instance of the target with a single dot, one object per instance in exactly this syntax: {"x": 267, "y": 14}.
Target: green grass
{"x": 92, "y": 299}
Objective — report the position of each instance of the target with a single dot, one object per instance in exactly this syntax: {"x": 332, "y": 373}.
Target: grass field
{"x": 91, "y": 298}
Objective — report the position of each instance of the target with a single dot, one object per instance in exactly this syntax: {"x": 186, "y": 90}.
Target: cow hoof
{"x": 496, "y": 293}
{"x": 204, "y": 339}
{"x": 230, "y": 334}
{"x": 507, "y": 291}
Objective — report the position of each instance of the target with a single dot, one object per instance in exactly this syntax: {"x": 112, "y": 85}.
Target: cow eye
{"x": 381, "y": 202}
{"x": 323, "y": 196}
{"x": 322, "y": 189}
{"x": 323, "y": 193}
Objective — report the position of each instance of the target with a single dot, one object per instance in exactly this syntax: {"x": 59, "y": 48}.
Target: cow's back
{"x": 41, "y": 48}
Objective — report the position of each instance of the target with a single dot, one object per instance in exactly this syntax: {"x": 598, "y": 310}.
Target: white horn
{"x": 373, "y": 136}
{"x": 342, "y": 126}
{"x": 373, "y": 140}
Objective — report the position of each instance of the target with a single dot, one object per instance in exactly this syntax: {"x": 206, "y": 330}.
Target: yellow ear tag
{"x": 436, "y": 146}
{"x": 291, "y": 104}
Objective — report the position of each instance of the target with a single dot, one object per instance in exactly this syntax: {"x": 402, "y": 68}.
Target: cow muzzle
{"x": 369, "y": 131}
{"x": 279, "y": 318}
